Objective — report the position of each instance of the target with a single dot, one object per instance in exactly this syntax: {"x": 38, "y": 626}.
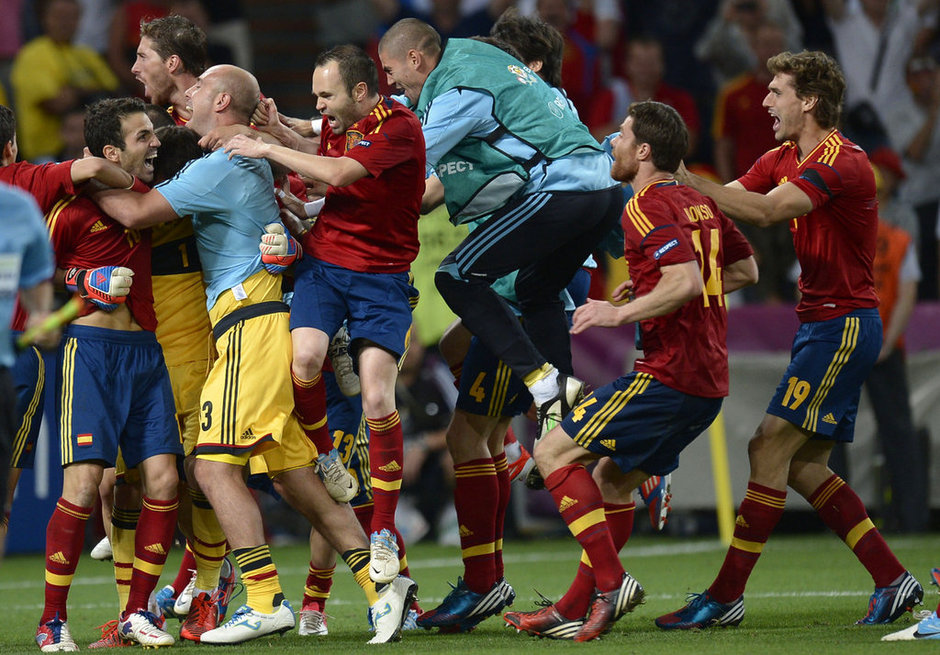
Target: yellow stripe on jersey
{"x": 68, "y": 388}
{"x": 614, "y": 404}
{"x": 831, "y": 150}
{"x": 26, "y": 424}
{"x": 53, "y": 216}
{"x": 639, "y": 220}
{"x": 847, "y": 347}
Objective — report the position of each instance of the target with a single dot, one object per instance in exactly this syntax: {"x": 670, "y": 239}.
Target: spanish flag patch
{"x": 83, "y": 439}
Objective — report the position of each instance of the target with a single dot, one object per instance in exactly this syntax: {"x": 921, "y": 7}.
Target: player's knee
{"x": 308, "y": 360}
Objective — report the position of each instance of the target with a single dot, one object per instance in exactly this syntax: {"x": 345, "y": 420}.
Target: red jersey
{"x": 741, "y": 117}
{"x": 835, "y": 242}
{"x": 371, "y": 226}
{"x": 83, "y": 236}
{"x": 47, "y": 183}
{"x": 668, "y": 223}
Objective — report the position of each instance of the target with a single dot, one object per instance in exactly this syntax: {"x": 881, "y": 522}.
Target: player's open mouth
{"x": 148, "y": 162}
{"x": 776, "y": 122}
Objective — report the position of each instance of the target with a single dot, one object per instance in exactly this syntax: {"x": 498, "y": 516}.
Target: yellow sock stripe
{"x": 384, "y": 424}
{"x": 26, "y": 424}
{"x": 250, "y": 557}
{"x": 587, "y": 521}
{"x": 316, "y": 593}
{"x": 309, "y": 427}
{"x": 161, "y": 508}
{"x": 833, "y": 486}
{"x": 585, "y": 559}
{"x": 306, "y": 384}
{"x": 475, "y": 470}
{"x": 323, "y": 573}
{"x": 500, "y": 388}
{"x": 356, "y": 559}
{"x": 58, "y": 580}
{"x": 68, "y": 385}
{"x": 536, "y": 375}
{"x": 616, "y": 403}
{"x": 478, "y": 550}
{"x": 765, "y": 499}
{"x": 402, "y": 562}
{"x": 849, "y": 341}
{"x": 386, "y": 485}
{"x": 864, "y": 527}
{"x": 148, "y": 567}
{"x": 499, "y": 544}
{"x": 608, "y": 511}
{"x": 78, "y": 515}
{"x": 500, "y": 464}
{"x": 747, "y": 546}
{"x": 363, "y": 580}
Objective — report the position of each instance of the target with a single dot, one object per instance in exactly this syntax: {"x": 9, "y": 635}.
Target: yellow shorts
{"x": 187, "y": 381}
{"x": 295, "y": 451}
{"x": 248, "y": 397}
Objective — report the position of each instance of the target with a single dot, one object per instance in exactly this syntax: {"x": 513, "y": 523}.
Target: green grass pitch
{"x": 803, "y": 598}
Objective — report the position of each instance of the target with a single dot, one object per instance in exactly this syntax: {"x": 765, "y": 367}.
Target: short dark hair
{"x": 158, "y": 116}
{"x": 354, "y": 66}
{"x": 175, "y": 35}
{"x": 178, "y": 146}
{"x": 411, "y": 34}
{"x": 7, "y": 125}
{"x": 103, "y": 122}
{"x": 816, "y": 74}
{"x": 663, "y": 129}
{"x": 533, "y": 39}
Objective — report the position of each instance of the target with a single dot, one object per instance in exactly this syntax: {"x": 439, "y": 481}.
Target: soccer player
{"x": 684, "y": 256}
{"x": 170, "y": 57}
{"x": 356, "y": 267}
{"x": 247, "y": 400}
{"x": 823, "y": 184}
{"x": 27, "y": 262}
{"x": 506, "y": 148}
{"x": 112, "y": 387}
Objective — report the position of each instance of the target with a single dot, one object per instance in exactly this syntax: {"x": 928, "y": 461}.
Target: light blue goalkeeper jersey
{"x": 230, "y": 202}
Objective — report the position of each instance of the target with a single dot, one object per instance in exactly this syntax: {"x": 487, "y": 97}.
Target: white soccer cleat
{"x": 391, "y": 609}
{"x": 247, "y": 624}
{"x": 142, "y": 628}
{"x": 102, "y": 550}
{"x": 339, "y": 483}
{"x": 185, "y": 600}
{"x": 54, "y": 637}
{"x": 343, "y": 365}
{"x": 384, "y": 564}
{"x": 312, "y": 623}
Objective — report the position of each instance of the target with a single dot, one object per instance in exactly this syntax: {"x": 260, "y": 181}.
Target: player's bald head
{"x": 239, "y": 84}
{"x": 411, "y": 34}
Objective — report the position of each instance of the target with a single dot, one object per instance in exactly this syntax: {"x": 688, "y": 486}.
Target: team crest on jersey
{"x": 352, "y": 138}
{"x": 523, "y": 74}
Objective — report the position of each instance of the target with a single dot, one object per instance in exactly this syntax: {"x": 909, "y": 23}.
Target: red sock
{"x": 456, "y": 370}
{"x": 65, "y": 535}
{"x": 504, "y": 485}
{"x": 152, "y": 544}
{"x": 476, "y": 496}
{"x": 582, "y": 508}
{"x": 185, "y": 572}
{"x": 576, "y": 601}
{"x": 385, "y": 456}
{"x": 310, "y": 408}
{"x": 317, "y": 588}
{"x": 842, "y": 510}
{"x": 759, "y": 513}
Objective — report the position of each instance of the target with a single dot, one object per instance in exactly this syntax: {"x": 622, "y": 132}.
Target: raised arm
{"x": 134, "y": 210}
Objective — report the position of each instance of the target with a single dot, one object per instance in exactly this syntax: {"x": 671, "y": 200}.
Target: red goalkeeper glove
{"x": 278, "y": 249}
{"x": 106, "y": 287}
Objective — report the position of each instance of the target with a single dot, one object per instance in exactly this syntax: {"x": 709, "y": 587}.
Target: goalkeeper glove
{"x": 105, "y": 287}
{"x": 278, "y": 249}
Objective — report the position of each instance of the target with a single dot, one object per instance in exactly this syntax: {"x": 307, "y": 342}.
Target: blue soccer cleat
{"x": 656, "y": 492}
{"x": 702, "y": 612}
{"x": 463, "y": 609}
{"x": 888, "y": 603}
{"x": 928, "y": 628}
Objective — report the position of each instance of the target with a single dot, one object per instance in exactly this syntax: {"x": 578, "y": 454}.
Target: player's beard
{"x": 625, "y": 171}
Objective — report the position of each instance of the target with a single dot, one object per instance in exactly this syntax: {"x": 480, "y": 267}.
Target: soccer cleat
{"x": 534, "y": 479}
{"x": 463, "y": 609}
{"x": 53, "y": 636}
{"x": 226, "y": 588}
{"x": 521, "y": 464}
{"x": 389, "y": 612}
{"x": 544, "y": 622}
{"x": 203, "y": 616}
{"x": 142, "y": 628}
{"x": 102, "y": 550}
{"x": 383, "y": 556}
{"x": 185, "y": 599}
{"x": 888, "y": 603}
{"x": 656, "y": 492}
{"x": 312, "y": 622}
{"x": 927, "y": 628}
{"x": 411, "y": 620}
{"x": 607, "y": 608}
{"x": 110, "y": 637}
{"x": 339, "y": 483}
{"x": 551, "y": 412}
{"x": 935, "y": 577}
{"x": 247, "y": 624}
{"x": 343, "y": 368}
{"x": 162, "y": 602}
{"x": 703, "y": 611}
